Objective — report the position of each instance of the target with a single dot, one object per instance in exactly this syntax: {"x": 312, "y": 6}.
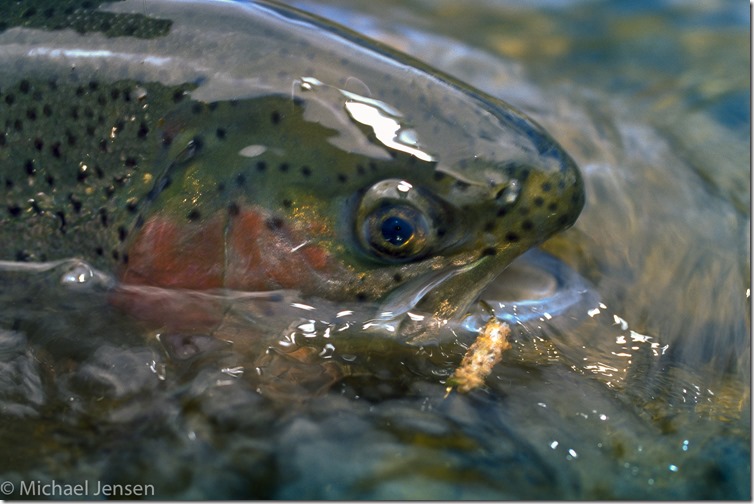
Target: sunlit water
{"x": 637, "y": 388}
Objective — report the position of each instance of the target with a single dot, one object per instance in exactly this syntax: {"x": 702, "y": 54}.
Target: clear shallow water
{"x": 645, "y": 396}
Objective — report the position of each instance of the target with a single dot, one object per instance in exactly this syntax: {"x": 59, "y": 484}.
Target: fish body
{"x": 249, "y": 146}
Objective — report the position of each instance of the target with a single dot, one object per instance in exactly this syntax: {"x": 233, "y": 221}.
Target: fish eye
{"x": 394, "y": 221}
{"x": 396, "y": 232}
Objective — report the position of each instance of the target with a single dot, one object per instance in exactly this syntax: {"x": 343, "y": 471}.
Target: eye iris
{"x": 396, "y": 231}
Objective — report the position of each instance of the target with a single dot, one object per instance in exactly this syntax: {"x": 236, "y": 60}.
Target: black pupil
{"x": 396, "y": 231}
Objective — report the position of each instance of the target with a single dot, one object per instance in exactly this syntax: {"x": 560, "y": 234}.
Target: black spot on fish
{"x": 489, "y": 251}
{"x": 114, "y": 94}
{"x": 283, "y": 167}
{"x": 440, "y": 232}
{"x": 132, "y": 204}
{"x": 287, "y": 203}
{"x": 511, "y": 237}
{"x": 220, "y": 133}
{"x": 360, "y": 169}
{"x": 398, "y": 278}
{"x": 489, "y": 227}
{"x": 274, "y": 223}
{"x": 23, "y": 256}
{"x": 233, "y": 209}
{"x": 546, "y": 186}
{"x": 143, "y": 131}
{"x": 115, "y": 254}
{"x": 9, "y": 99}
{"x": 47, "y": 110}
{"x": 562, "y": 220}
{"x": 461, "y": 185}
{"x": 527, "y": 225}
{"x": 30, "y": 168}
{"x": 306, "y": 171}
{"x": 342, "y": 178}
{"x": 122, "y": 233}
{"x": 438, "y": 176}
{"x": 18, "y": 125}
{"x": 103, "y": 217}
{"x": 61, "y": 217}
{"x": 178, "y": 96}
{"x": 3, "y": 140}
{"x": 240, "y": 180}
{"x": 50, "y": 180}
{"x": 539, "y": 201}
{"x": 70, "y": 139}
{"x": 99, "y": 251}
{"x": 75, "y": 203}
{"x": 55, "y": 150}
{"x": 82, "y": 175}
{"x": 275, "y": 117}
{"x": 261, "y": 166}
{"x": 109, "y": 191}
{"x": 14, "y": 210}
{"x": 197, "y": 108}
{"x": 194, "y": 215}
{"x": 552, "y": 206}
{"x": 361, "y": 297}
{"x": 24, "y": 86}
{"x": 31, "y": 114}
{"x": 130, "y": 162}
{"x": 38, "y": 144}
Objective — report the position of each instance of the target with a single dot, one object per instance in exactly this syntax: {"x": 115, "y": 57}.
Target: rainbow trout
{"x": 249, "y": 146}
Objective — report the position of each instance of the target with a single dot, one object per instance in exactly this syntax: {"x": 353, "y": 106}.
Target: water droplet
{"x": 328, "y": 351}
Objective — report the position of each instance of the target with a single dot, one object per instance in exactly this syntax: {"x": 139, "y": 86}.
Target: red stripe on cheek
{"x": 262, "y": 257}
{"x": 189, "y": 256}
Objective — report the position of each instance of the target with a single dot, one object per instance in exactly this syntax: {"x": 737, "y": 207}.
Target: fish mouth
{"x": 534, "y": 288}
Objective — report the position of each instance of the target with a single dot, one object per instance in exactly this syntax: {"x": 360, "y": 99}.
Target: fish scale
{"x": 73, "y": 157}
{"x": 81, "y": 16}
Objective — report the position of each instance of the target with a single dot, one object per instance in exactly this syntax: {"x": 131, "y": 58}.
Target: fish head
{"x": 319, "y": 196}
